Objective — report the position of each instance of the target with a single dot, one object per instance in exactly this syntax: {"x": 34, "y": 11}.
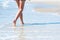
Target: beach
{"x": 42, "y": 21}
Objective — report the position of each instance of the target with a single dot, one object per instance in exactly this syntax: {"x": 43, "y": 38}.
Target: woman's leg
{"x": 19, "y": 13}
{"x": 21, "y": 10}
{"x": 17, "y": 1}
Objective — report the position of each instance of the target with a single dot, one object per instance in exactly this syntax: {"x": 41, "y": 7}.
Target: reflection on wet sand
{"x": 21, "y": 36}
{"x": 20, "y": 32}
{"x": 34, "y": 31}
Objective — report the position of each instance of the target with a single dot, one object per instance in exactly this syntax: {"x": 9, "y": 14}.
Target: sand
{"x": 48, "y": 2}
{"x": 55, "y": 9}
{"x": 53, "y": 2}
{"x": 47, "y": 10}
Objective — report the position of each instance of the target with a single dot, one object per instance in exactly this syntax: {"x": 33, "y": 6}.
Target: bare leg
{"x": 21, "y": 7}
{"x": 17, "y": 1}
{"x": 19, "y": 13}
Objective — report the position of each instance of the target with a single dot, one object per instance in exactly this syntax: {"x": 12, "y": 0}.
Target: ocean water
{"x": 38, "y": 25}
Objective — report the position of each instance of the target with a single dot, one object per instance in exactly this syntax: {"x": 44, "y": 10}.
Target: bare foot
{"x": 22, "y": 23}
{"x": 14, "y": 23}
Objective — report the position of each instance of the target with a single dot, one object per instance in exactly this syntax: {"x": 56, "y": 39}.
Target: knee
{"x": 20, "y": 10}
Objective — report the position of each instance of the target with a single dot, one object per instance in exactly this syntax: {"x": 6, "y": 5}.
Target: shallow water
{"x": 38, "y": 26}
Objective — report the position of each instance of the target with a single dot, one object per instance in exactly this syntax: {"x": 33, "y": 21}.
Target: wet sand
{"x": 30, "y": 32}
